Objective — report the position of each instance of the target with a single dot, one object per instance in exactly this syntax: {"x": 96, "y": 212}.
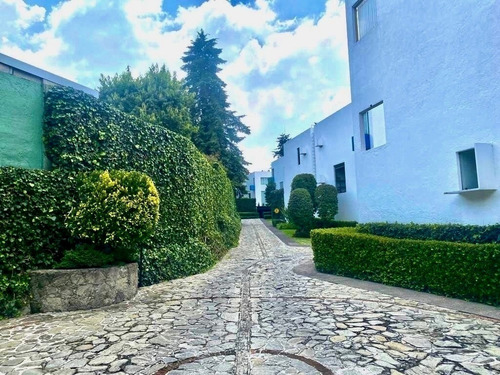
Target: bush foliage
{"x": 33, "y": 206}
{"x": 246, "y": 205}
{"x": 249, "y": 215}
{"x": 454, "y": 269}
{"x": 116, "y": 210}
{"x": 197, "y": 201}
{"x": 85, "y": 256}
{"x": 326, "y": 201}
{"x": 440, "y": 232}
{"x": 321, "y": 223}
{"x": 300, "y": 211}
{"x": 305, "y": 181}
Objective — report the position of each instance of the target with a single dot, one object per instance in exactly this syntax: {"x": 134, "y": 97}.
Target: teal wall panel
{"x": 21, "y": 119}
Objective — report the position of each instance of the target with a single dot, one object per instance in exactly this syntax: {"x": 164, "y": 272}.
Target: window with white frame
{"x": 373, "y": 126}
{"x": 476, "y": 169}
{"x": 340, "y": 177}
{"x": 365, "y": 17}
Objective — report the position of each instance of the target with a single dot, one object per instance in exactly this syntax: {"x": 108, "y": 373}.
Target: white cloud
{"x": 19, "y": 15}
{"x": 260, "y": 157}
{"x": 283, "y": 75}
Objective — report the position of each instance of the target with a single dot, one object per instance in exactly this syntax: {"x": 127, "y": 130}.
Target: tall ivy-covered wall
{"x": 198, "y": 218}
{"x": 21, "y": 113}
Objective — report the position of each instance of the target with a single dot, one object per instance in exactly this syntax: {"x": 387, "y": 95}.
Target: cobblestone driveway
{"x": 252, "y": 314}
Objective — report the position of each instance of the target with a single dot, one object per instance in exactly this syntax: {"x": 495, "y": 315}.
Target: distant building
{"x": 22, "y": 87}
{"x": 420, "y": 140}
{"x": 256, "y": 186}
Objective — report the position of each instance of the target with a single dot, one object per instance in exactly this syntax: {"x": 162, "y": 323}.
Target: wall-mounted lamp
{"x": 319, "y": 146}
{"x": 303, "y": 153}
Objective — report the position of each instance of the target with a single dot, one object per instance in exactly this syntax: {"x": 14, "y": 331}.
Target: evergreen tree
{"x": 219, "y": 129}
{"x": 279, "y": 151}
{"x": 157, "y": 97}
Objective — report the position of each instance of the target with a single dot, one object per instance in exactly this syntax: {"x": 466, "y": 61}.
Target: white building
{"x": 256, "y": 186}
{"x": 420, "y": 140}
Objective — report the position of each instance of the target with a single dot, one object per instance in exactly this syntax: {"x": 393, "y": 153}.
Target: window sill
{"x": 467, "y": 191}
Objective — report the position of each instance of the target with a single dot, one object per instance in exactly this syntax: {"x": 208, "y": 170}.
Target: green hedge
{"x": 33, "y": 207}
{"x": 246, "y": 205}
{"x": 249, "y": 215}
{"x": 439, "y": 232}
{"x": 322, "y": 223}
{"x": 197, "y": 201}
{"x": 454, "y": 269}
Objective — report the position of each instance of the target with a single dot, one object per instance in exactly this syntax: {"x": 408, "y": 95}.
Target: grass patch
{"x": 302, "y": 241}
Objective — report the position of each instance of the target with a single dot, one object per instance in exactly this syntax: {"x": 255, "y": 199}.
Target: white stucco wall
{"x": 289, "y": 162}
{"x": 254, "y": 179}
{"x": 436, "y": 67}
{"x": 334, "y": 134}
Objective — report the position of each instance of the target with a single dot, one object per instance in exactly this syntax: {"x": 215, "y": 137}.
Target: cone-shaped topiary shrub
{"x": 300, "y": 211}
{"x": 326, "y": 201}
{"x": 305, "y": 181}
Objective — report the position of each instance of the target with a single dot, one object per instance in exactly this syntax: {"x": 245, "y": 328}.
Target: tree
{"x": 306, "y": 181}
{"x": 280, "y": 147}
{"x": 157, "y": 97}
{"x": 300, "y": 211}
{"x": 270, "y": 187}
{"x": 219, "y": 129}
{"x": 327, "y": 201}
{"x": 277, "y": 199}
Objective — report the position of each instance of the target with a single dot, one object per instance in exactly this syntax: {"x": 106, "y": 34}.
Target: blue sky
{"x": 287, "y": 62}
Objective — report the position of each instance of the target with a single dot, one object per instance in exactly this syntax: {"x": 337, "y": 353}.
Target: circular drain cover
{"x": 266, "y": 361}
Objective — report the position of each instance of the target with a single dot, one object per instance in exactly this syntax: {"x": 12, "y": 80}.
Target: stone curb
{"x": 308, "y": 269}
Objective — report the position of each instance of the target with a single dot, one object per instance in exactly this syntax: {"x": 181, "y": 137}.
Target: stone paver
{"x": 252, "y": 314}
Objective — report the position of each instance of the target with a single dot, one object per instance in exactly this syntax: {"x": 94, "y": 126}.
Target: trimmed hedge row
{"x": 246, "y": 205}
{"x": 197, "y": 208}
{"x": 33, "y": 207}
{"x": 322, "y": 223}
{"x": 438, "y": 232}
{"x": 249, "y": 215}
{"x": 454, "y": 269}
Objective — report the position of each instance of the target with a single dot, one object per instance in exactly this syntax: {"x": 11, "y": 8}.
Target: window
{"x": 281, "y": 185}
{"x": 264, "y": 180}
{"x": 263, "y": 198}
{"x": 298, "y": 155}
{"x": 365, "y": 17}
{"x": 468, "y": 170}
{"x": 476, "y": 169}
{"x": 340, "y": 177}
{"x": 373, "y": 124}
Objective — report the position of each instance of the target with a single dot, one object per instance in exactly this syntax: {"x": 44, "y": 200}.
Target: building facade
{"x": 420, "y": 141}
{"x": 256, "y": 186}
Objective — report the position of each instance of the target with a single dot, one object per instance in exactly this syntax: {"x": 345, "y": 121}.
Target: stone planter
{"x": 82, "y": 289}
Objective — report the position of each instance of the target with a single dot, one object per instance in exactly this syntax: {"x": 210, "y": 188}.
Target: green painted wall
{"x": 21, "y": 119}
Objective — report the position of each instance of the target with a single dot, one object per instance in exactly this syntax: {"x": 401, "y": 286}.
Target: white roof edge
{"x": 33, "y": 70}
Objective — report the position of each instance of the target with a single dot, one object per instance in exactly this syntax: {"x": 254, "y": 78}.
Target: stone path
{"x": 252, "y": 314}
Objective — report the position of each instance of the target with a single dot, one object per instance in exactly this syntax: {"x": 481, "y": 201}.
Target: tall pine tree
{"x": 219, "y": 128}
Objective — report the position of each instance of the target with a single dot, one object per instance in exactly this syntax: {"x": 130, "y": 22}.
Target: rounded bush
{"x": 116, "y": 210}
{"x": 85, "y": 256}
{"x": 305, "y": 181}
{"x": 326, "y": 201}
{"x": 300, "y": 211}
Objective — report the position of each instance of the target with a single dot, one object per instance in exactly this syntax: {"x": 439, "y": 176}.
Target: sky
{"x": 287, "y": 61}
